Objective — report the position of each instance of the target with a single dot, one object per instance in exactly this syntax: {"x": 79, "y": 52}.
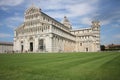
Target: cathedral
{"x": 42, "y": 33}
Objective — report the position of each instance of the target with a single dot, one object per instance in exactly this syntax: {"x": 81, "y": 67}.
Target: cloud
{"x": 116, "y": 25}
{"x": 109, "y": 13}
{"x": 4, "y": 35}
{"x": 73, "y": 9}
{"x": 1, "y": 24}
{"x": 105, "y": 22}
{"x": 15, "y": 18}
{"x": 13, "y": 22}
{"x": 85, "y": 10}
{"x": 51, "y": 4}
{"x": 118, "y": 20}
{"x": 81, "y": 9}
{"x": 69, "y": 8}
{"x": 86, "y": 20}
{"x": 4, "y": 8}
{"x": 117, "y": 36}
{"x": 10, "y": 2}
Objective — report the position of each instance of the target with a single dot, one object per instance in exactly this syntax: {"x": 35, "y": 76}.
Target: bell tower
{"x": 96, "y": 34}
{"x": 95, "y": 24}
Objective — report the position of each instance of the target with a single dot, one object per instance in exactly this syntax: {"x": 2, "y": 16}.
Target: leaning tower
{"x": 96, "y": 34}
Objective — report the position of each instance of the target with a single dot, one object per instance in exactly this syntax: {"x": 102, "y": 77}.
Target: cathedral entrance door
{"x": 21, "y": 48}
{"x": 86, "y": 49}
{"x": 31, "y": 46}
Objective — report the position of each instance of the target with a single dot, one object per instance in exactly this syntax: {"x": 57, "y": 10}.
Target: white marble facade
{"x": 42, "y": 33}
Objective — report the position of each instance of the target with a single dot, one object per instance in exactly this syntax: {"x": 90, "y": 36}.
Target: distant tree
{"x": 102, "y": 47}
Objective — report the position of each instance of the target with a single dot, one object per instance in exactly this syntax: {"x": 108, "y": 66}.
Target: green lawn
{"x": 73, "y": 66}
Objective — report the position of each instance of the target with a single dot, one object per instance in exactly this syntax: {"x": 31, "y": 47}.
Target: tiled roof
{"x": 6, "y": 43}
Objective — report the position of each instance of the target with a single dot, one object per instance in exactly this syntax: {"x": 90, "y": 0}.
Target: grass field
{"x": 73, "y": 66}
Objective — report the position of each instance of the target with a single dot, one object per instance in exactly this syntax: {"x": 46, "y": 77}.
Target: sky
{"x": 79, "y": 12}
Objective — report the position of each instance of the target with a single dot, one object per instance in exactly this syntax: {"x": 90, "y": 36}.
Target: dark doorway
{"x": 86, "y": 49}
{"x": 22, "y": 48}
{"x": 31, "y": 46}
{"x": 41, "y": 44}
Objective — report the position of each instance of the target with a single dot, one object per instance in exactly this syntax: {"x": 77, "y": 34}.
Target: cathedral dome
{"x": 66, "y": 22}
